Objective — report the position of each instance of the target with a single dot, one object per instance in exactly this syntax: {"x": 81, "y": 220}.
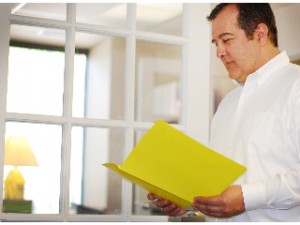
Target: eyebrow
{"x": 220, "y": 36}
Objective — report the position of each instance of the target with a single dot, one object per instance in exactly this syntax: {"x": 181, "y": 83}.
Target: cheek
{"x": 247, "y": 54}
{"x": 241, "y": 57}
{"x": 237, "y": 53}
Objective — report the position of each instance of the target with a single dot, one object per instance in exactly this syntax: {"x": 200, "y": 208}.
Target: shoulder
{"x": 289, "y": 85}
{"x": 287, "y": 77}
{"x": 293, "y": 71}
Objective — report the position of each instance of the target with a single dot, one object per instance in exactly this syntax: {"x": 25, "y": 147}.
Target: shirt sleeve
{"x": 283, "y": 190}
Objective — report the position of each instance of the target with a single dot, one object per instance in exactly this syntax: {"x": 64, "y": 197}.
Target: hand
{"x": 166, "y": 206}
{"x": 227, "y": 204}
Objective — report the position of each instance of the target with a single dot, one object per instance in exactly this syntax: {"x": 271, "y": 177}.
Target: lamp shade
{"x": 18, "y": 152}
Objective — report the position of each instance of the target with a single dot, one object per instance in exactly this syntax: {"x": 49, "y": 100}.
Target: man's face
{"x": 233, "y": 48}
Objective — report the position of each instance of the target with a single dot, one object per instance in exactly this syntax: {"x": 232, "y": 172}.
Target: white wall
{"x": 287, "y": 19}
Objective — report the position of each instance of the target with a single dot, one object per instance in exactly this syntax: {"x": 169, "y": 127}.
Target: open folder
{"x": 176, "y": 167}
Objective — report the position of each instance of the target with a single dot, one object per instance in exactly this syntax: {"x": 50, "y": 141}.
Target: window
{"x": 38, "y": 89}
{"x": 82, "y": 83}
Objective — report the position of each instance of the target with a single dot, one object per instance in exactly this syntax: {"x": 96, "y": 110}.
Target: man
{"x": 257, "y": 124}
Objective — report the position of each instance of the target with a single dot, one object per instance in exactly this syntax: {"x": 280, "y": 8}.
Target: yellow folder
{"x": 176, "y": 167}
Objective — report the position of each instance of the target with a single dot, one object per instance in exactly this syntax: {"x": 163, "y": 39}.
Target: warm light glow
{"x": 14, "y": 185}
{"x": 18, "y": 152}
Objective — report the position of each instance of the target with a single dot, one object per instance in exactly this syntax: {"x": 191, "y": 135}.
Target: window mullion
{"x": 68, "y": 97}
{"x": 130, "y": 104}
{"x": 4, "y": 46}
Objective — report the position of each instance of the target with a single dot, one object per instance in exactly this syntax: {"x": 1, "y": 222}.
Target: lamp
{"x": 17, "y": 153}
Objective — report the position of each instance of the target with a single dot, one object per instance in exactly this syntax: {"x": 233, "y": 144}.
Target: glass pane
{"x": 140, "y": 203}
{"x": 106, "y": 14}
{"x": 167, "y": 19}
{"x": 36, "y": 71}
{"x": 41, "y": 176}
{"x": 100, "y": 88}
{"x": 158, "y": 77}
{"x": 56, "y": 11}
{"x": 93, "y": 188}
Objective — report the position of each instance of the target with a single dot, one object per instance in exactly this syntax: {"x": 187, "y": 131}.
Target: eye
{"x": 226, "y": 41}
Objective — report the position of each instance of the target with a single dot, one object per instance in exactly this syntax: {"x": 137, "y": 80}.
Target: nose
{"x": 220, "y": 51}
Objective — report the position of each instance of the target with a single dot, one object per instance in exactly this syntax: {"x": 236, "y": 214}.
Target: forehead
{"x": 225, "y": 22}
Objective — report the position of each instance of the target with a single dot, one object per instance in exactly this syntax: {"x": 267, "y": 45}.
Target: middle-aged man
{"x": 257, "y": 124}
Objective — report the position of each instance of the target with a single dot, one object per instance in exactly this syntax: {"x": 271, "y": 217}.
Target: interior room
{"x": 81, "y": 83}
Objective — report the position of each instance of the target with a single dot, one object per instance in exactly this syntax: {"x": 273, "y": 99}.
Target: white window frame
{"x": 195, "y": 88}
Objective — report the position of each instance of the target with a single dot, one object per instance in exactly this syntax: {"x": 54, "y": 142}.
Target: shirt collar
{"x": 264, "y": 72}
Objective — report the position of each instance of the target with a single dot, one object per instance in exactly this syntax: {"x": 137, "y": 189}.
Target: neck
{"x": 267, "y": 55}
{"x": 264, "y": 57}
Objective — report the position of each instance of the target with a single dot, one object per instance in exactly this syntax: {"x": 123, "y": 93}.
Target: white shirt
{"x": 258, "y": 125}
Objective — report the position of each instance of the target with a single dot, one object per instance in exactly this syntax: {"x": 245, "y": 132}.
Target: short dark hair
{"x": 250, "y": 15}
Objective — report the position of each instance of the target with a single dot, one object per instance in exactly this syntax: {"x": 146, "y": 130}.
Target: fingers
{"x": 173, "y": 210}
{"x": 166, "y": 206}
{"x": 209, "y": 210}
{"x": 211, "y": 206}
{"x": 170, "y": 208}
{"x": 152, "y": 197}
{"x": 213, "y": 201}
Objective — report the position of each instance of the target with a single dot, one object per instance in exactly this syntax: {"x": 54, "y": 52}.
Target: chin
{"x": 234, "y": 75}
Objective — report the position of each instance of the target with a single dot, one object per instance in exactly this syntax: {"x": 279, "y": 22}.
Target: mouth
{"x": 228, "y": 64}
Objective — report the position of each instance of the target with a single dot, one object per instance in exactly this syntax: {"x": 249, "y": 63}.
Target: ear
{"x": 261, "y": 33}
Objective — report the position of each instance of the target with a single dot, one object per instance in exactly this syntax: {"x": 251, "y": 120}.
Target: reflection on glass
{"x": 56, "y": 11}
{"x": 158, "y": 77}
{"x": 103, "y": 84}
{"x": 140, "y": 203}
{"x": 108, "y": 14}
{"x": 42, "y": 181}
{"x": 36, "y": 72}
{"x": 93, "y": 188}
{"x": 160, "y": 18}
